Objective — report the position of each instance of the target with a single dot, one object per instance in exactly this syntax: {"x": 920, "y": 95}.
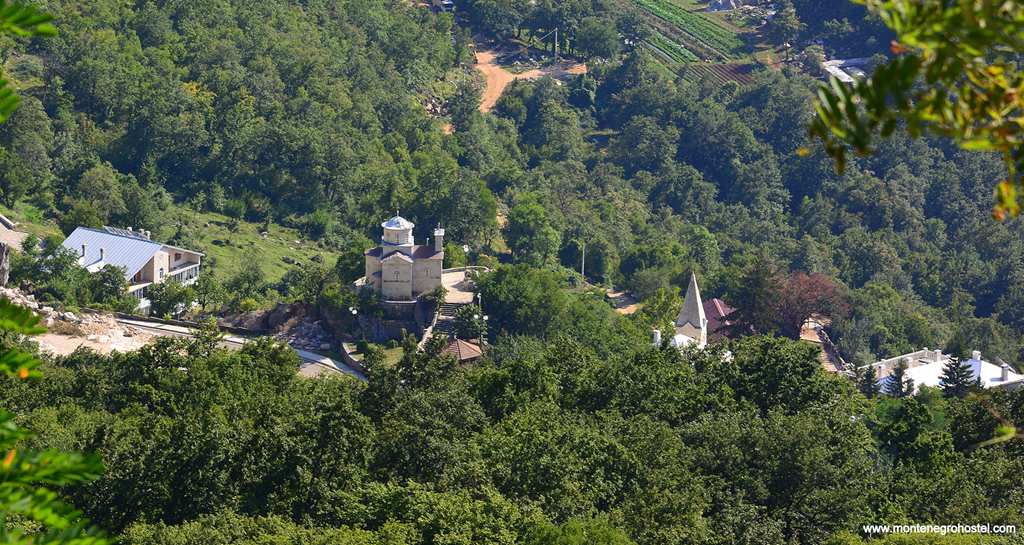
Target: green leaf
{"x": 19, "y": 319}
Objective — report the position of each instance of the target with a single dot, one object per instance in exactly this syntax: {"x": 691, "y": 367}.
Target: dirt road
{"x": 497, "y": 78}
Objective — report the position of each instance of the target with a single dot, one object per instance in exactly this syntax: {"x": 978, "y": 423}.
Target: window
{"x": 161, "y": 277}
{"x": 177, "y": 256}
{"x": 396, "y": 276}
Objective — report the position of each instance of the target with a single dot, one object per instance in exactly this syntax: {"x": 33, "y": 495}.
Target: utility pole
{"x": 583, "y": 262}
{"x": 555, "y": 32}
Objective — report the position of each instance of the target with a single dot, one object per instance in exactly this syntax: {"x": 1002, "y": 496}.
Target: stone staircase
{"x": 446, "y": 318}
{"x": 448, "y": 310}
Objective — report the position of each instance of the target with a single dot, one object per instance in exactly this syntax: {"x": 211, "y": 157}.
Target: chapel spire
{"x": 691, "y": 320}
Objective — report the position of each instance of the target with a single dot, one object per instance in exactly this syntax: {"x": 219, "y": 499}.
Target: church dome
{"x": 397, "y": 222}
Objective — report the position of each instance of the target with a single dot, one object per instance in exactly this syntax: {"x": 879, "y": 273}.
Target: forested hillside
{"x": 310, "y": 114}
{"x": 318, "y": 115}
{"x": 255, "y": 109}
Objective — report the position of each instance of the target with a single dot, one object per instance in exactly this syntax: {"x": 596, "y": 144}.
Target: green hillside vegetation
{"x": 31, "y": 220}
{"x": 309, "y": 117}
{"x": 231, "y": 245}
{"x": 573, "y": 428}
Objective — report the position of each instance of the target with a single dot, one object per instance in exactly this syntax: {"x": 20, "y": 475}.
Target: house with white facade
{"x": 925, "y": 367}
{"x": 145, "y": 261}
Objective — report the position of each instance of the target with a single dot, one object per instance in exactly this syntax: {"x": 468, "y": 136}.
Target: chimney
{"x": 1005, "y": 375}
{"x": 145, "y": 234}
{"x": 438, "y": 239}
{"x": 84, "y": 247}
{"x": 130, "y": 230}
{"x": 976, "y": 355}
{"x": 938, "y": 355}
{"x": 102, "y": 253}
{"x": 656, "y": 338}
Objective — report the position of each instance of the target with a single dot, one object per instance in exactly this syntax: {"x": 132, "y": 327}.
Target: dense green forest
{"x": 313, "y": 114}
{"x": 557, "y": 442}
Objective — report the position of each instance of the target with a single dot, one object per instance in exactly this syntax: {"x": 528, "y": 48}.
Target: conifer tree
{"x": 899, "y": 384}
{"x": 957, "y": 378}
{"x": 868, "y": 382}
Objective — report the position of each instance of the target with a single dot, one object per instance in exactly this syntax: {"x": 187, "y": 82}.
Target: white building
{"x": 699, "y": 321}
{"x": 145, "y": 261}
{"x": 400, "y": 269}
{"x": 925, "y": 367}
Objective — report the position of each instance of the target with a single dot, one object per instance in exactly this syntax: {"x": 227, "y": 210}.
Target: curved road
{"x": 313, "y": 364}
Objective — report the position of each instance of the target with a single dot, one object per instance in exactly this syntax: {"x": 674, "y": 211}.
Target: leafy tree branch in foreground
{"x": 954, "y": 75}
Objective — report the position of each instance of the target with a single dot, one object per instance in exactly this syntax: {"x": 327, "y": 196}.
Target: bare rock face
{"x": 280, "y": 315}
{"x": 5, "y": 263}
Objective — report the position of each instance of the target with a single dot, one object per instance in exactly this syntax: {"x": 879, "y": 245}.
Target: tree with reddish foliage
{"x": 769, "y": 301}
{"x": 803, "y": 295}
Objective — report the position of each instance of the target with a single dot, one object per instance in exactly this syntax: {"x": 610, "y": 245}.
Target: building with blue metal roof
{"x": 145, "y": 262}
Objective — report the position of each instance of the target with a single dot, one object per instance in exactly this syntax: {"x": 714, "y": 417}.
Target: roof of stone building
{"x": 421, "y": 251}
{"x": 397, "y": 255}
{"x": 398, "y": 222}
{"x": 426, "y": 252}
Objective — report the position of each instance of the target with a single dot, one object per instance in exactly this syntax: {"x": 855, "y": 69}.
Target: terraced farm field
{"x": 700, "y": 33}
{"x": 697, "y": 44}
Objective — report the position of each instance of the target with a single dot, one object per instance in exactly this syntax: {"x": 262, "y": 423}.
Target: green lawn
{"x": 393, "y": 355}
{"x": 228, "y": 251}
{"x": 30, "y": 220}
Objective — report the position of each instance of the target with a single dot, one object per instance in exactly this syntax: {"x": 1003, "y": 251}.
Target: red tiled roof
{"x": 716, "y": 310}
{"x": 462, "y": 350}
{"x": 418, "y": 252}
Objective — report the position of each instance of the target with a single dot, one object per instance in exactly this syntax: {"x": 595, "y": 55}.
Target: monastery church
{"x": 400, "y": 269}
{"x": 698, "y": 321}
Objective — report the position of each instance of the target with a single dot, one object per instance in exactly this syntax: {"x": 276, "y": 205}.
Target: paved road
{"x": 313, "y": 364}
{"x": 460, "y": 289}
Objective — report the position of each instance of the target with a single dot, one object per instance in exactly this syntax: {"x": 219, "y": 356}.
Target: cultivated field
{"x": 689, "y": 40}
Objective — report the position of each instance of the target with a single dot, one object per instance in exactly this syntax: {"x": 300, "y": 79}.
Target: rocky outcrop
{"x": 5, "y": 263}
{"x": 293, "y": 323}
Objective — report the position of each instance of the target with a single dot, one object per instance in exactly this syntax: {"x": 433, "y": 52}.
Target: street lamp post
{"x": 482, "y": 323}
{"x": 355, "y": 314}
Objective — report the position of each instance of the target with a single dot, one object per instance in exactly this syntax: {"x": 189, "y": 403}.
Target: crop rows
{"x": 719, "y": 73}
{"x": 700, "y": 28}
{"x": 672, "y": 50}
